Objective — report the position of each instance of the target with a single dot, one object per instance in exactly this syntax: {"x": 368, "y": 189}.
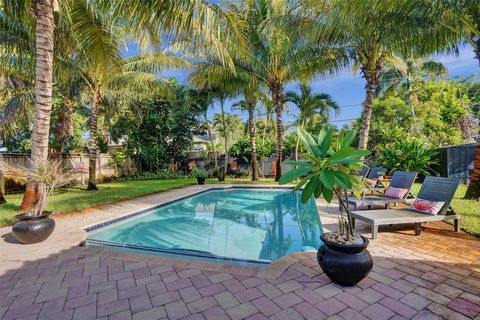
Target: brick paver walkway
{"x": 434, "y": 276}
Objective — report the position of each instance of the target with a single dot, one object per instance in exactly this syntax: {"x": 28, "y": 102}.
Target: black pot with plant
{"x": 36, "y": 226}
{"x": 201, "y": 174}
{"x": 331, "y": 169}
{"x": 32, "y": 228}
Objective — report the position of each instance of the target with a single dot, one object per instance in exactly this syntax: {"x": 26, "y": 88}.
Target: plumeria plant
{"x": 47, "y": 175}
{"x": 330, "y": 169}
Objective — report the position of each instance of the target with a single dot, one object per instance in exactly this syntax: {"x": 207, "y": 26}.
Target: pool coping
{"x": 238, "y": 262}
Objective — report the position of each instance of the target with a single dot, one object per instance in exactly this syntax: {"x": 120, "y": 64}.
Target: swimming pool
{"x": 234, "y": 224}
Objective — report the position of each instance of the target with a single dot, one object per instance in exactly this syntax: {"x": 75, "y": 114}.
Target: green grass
{"x": 76, "y": 198}
{"x": 468, "y": 209}
{"x": 68, "y": 199}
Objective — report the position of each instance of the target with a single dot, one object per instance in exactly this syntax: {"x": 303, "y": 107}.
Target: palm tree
{"x": 249, "y": 105}
{"x": 43, "y": 14}
{"x": 145, "y": 21}
{"x": 455, "y": 19}
{"x": 278, "y": 54}
{"x": 228, "y": 126}
{"x": 376, "y": 33}
{"x": 309, "y": 105}
{"x": 412, "y": 71}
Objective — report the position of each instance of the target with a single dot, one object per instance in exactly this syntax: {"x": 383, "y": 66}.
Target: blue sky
{"x": 346, "y": 88}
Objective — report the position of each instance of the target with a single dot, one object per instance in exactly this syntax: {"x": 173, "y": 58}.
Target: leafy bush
{"x": 200, "y": 173}
{"x": 407, "y": 156}
{"x": 241, "y": 148}
{"x": 331, "y": 167}
{"x": 160, "y": 175}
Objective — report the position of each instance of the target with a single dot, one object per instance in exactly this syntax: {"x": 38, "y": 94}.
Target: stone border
{"x": 274, "y": 269}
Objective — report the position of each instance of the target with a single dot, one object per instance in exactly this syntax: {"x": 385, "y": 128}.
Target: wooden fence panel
{"x": 106, "y": 167}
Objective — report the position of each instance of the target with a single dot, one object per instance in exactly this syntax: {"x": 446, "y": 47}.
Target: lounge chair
{"x": 400, "y": 179}
{"x": 433, "y": 189}
{"x": 363, "y": 172}
{"x": 373, "y": 175}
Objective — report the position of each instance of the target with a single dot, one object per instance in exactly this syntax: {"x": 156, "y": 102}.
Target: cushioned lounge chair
{"x": 400, "y": 179}
{"x": 363, "y": 172}
{"x": 433, "y": 189}
{"x": 373, "y": 173}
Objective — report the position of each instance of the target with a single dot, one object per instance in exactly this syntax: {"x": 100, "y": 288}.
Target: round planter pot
{"x": 201, "y": 180}
{"x": 33, "y": 229}
{"x": 346, "y": 265}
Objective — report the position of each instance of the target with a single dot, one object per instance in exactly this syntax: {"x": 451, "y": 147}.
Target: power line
{"x": 343, "y": 120}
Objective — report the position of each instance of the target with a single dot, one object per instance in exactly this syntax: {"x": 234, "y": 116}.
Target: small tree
{"x": 330, "y": 169}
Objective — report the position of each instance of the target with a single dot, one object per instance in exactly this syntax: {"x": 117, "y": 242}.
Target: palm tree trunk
{"x": 92, "y": 142}
{"x": 2, "y": 184}
{"x": 297, "y": 144}
{"x": 277, "y": 97}
{"x": 43, "y": 13}
{"x": 65, "y": 131}
{"x": 253, "y": 147}
{"x": 225, "y": 131}
{"x": 214, "y": 149}
{"x": 372, "y": 80}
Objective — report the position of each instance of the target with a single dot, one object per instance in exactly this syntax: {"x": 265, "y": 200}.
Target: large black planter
{"x": 33, "y": 229}
{"x": 201, "y": 180}
{"x": 346, "y": 265}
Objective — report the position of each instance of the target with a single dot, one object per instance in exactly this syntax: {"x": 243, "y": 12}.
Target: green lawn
{"x": 468, "y": 209}
{"x": 76, "y": 198}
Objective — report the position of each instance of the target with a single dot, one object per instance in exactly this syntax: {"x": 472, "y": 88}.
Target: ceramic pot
{"x": 344, "y": 264}
{"x": 33, "y": 229}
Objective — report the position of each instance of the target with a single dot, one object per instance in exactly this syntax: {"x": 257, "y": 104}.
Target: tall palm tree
{"x": 183, "y": 18}
{"x": 376, "y": 33}
{"x": 462, "y": 19}
{"x": 228, "y": 126}
{"x": 309, "y": 105}
{"x": 43, "y": 14}
{"x": 249, "y": 105}
{"x": 412, "y": 70}
{"x": 277, "y": 53}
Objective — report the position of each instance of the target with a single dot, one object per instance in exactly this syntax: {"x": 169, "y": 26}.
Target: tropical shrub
{"x": 242, "y": 148}
{"x": 200, "y": 173}
{"x": 160, "y": 175}
{"x": 330, "y": 168}
{"x": 407, "y": 156}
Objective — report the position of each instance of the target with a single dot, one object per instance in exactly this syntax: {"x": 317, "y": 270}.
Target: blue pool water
{"x": 240, "y": 224}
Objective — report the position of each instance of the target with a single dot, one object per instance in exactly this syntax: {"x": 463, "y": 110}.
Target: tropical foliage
{"x": 407, "y": 156}
{"x": 95, "y": 77}
{"x": 330, "y": 168}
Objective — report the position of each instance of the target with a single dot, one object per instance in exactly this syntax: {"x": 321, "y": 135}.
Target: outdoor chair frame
{"x": 433, "y": 189}
{"x": 400, "y": 179}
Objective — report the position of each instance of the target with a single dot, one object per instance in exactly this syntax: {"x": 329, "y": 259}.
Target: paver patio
{"x": 433, "y": 276}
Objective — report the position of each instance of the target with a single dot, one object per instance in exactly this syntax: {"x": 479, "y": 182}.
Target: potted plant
{"x": 36, "y": 226}
{"x": 201, "y": 174}
{"x": 330, "y": 170}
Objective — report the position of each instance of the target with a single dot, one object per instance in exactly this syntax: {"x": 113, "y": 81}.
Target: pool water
{"x": 239, "y": 224}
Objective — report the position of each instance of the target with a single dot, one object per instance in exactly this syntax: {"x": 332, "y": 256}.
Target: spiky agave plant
{"x": 330, "y": 169}
{"x": 47, "y": 175}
